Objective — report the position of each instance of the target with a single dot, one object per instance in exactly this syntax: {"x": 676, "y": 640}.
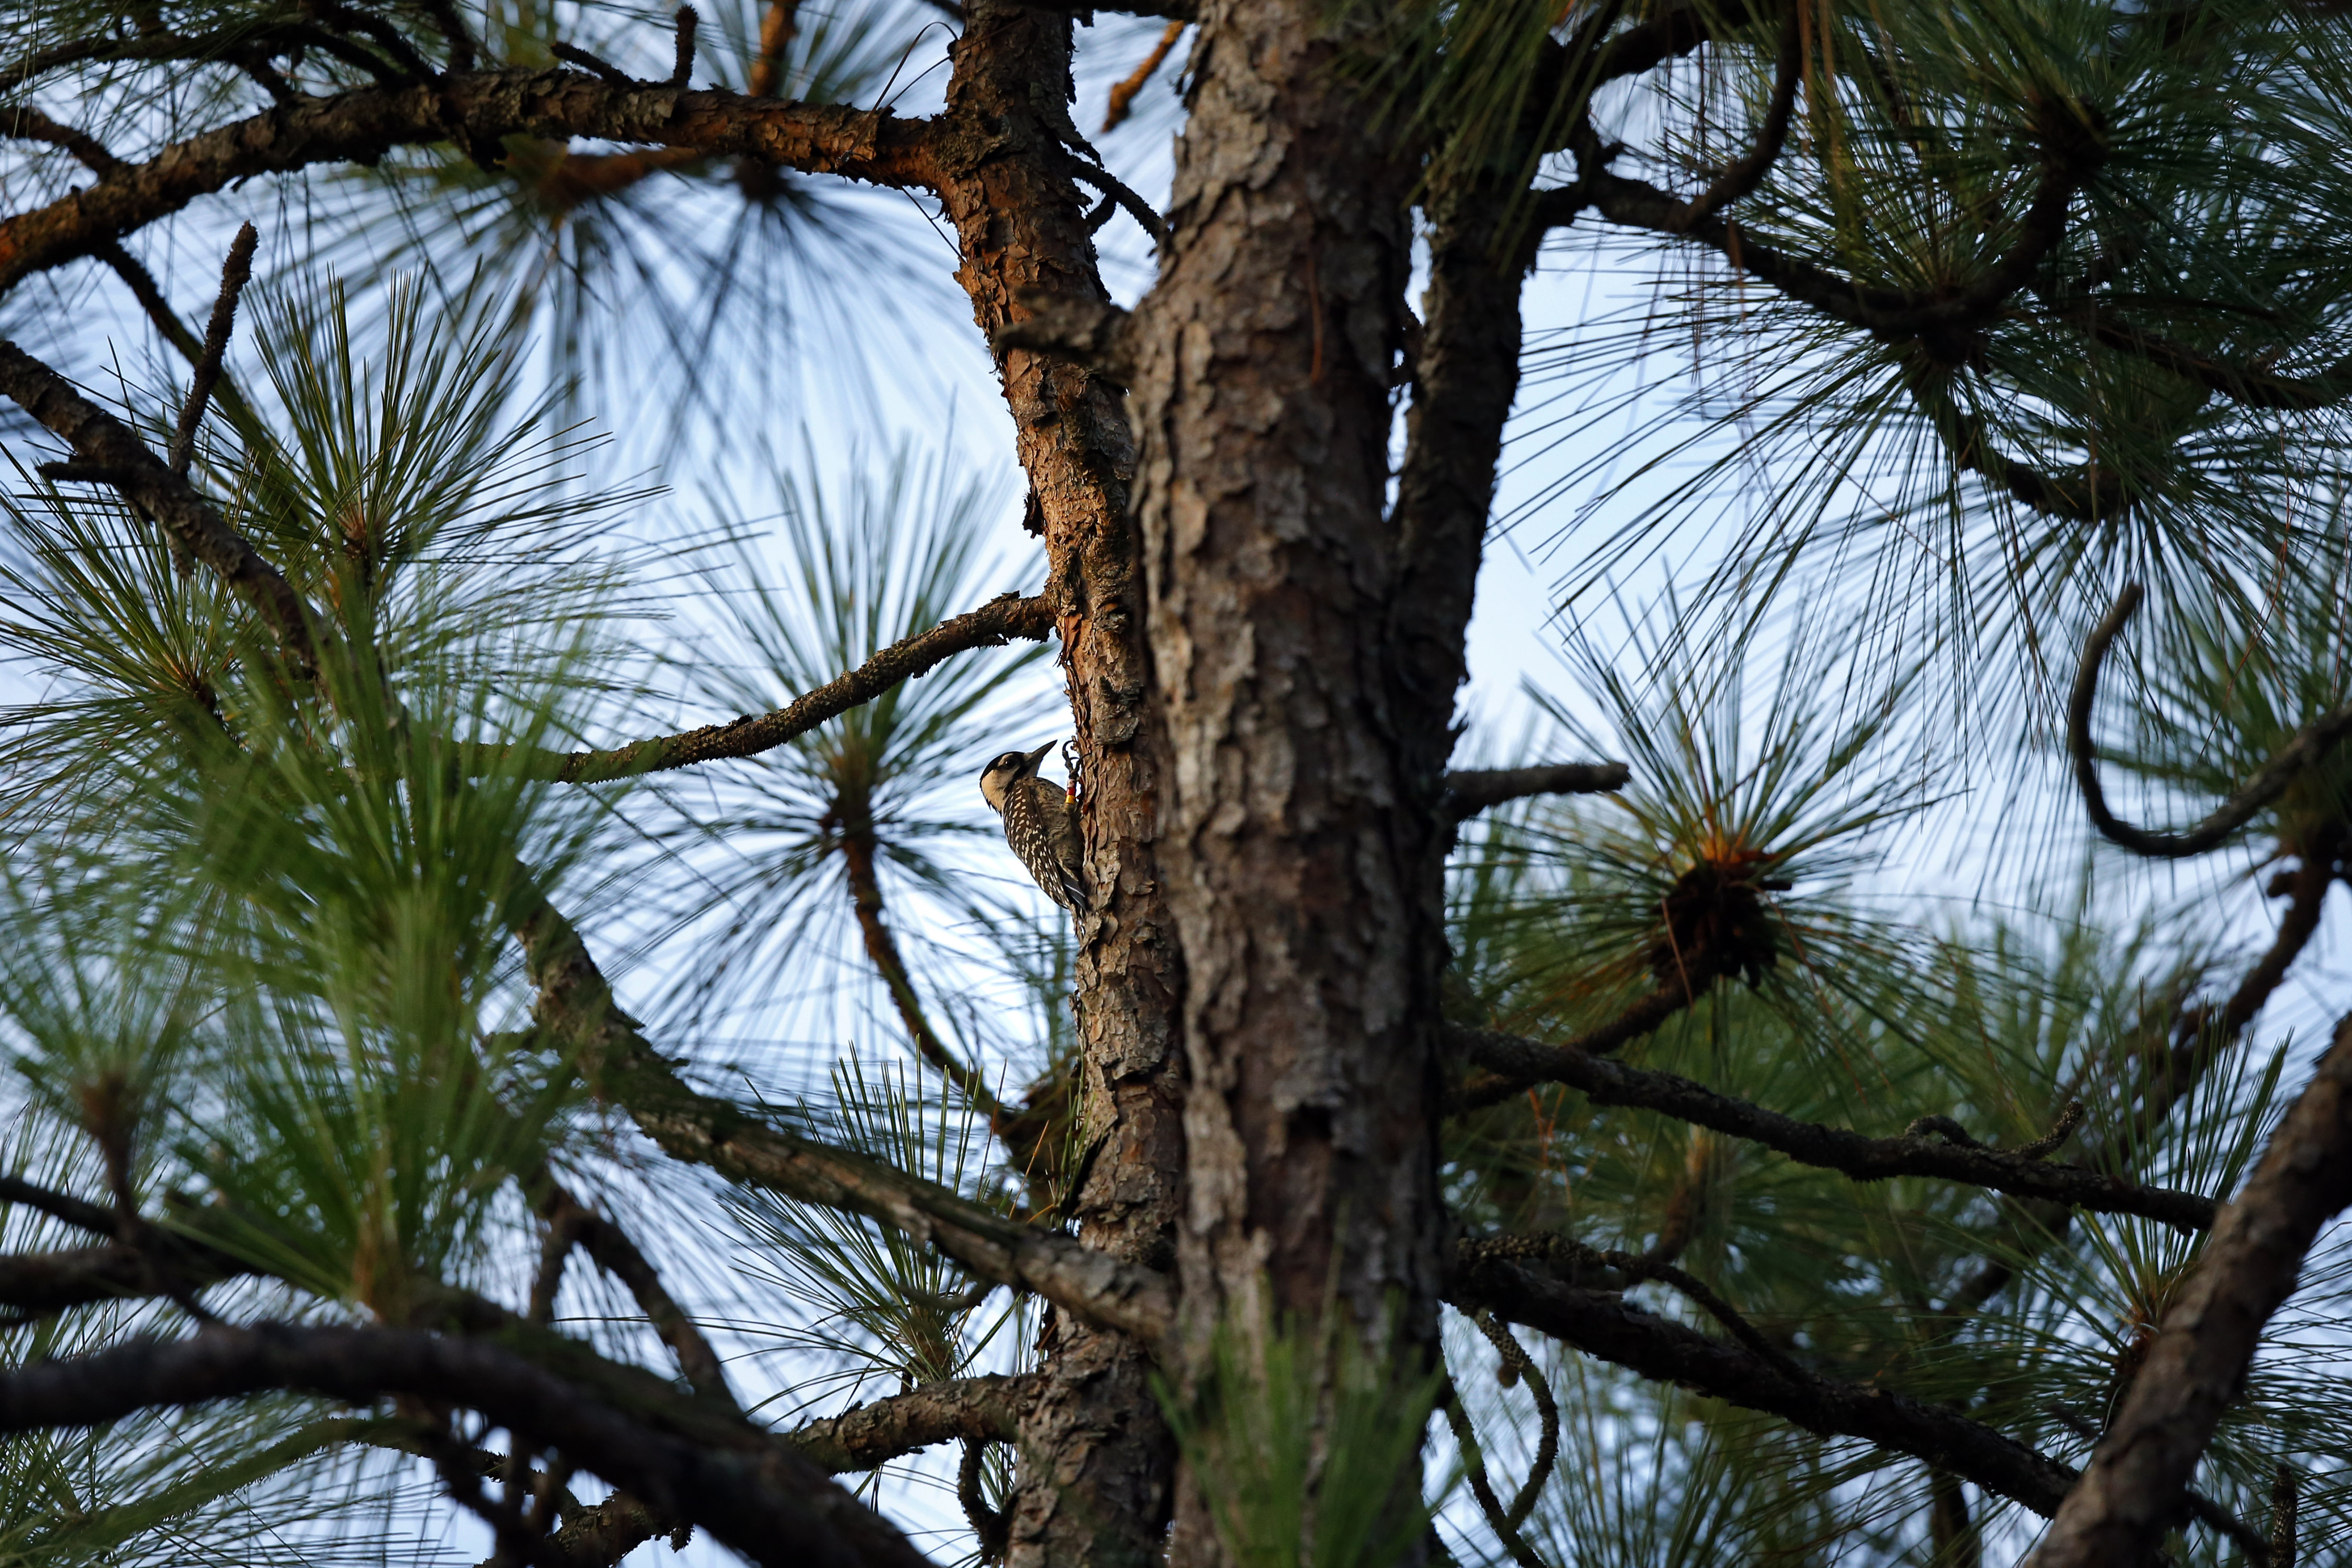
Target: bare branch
{"x": 965, "y": 1409}
{"x": 1606, "y": 1082}
{"x": 186, "y": 517}
{"x": 1746, "y": 173}
{"x": 1123, "y": 94}
{"x": 990, "y": 1528}
{"x": 80, "y": 1213}
{"x": 616, "y": 1255}
{"x": 754, "y": 1493}
{"x": 859, "y": 849}
{"x": 1698, "y": 972}
{"x": 1603, "y": 1324}
{"x": 576, "y": 1005}
{"x": 1469, "y": 791}
{"x": 1089, "y": 331}
{"x": 25, "y": 122}
{"x": 474, "y": 108}
{"x": 2309, "y": 745}
{"x": 991, "y": 625}
{"x": 2132, "y": 1491}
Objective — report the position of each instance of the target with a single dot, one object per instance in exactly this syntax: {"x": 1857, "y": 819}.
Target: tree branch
{"x": 2237, "y": 382}
{"x": 1469, "y": 791}
{"x": 965, "y": 1409}
{"x": 1746, "y": 172}
{"x": 1603, "y": 1324}
{"x": 1606, "y": 1082}
{"x": 474, "y": 108}
{"x": 1697, "y": 974}
{"x": 612, "y": 1250}
{"x": 23, "y": 122}
{"x": 82, "y": 1215}
{"x": 2308, "y": 746}
{"x": 2133, "y": 1489}
{"x": 186, "y": 518}
{"x": 991, "y": 625}
{"x": 577, "y": 1006}
{"x": 754, "y": 1493}
{"x": 858, "y": 853}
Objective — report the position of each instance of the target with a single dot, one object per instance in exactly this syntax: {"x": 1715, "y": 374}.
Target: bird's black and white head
{"x": 1008, "y": 769}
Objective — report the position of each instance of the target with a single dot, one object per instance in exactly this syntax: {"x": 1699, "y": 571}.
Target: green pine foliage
{"x": 257, "y": 969}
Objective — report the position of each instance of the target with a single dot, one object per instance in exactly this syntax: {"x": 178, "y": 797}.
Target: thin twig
{"x": 1745, "y": 174}
{"x": 1122, "y": 95}
{"x": 572, "y": 53}
{"x": 1004, "y": 619}
{"x": 2308, "y": 746}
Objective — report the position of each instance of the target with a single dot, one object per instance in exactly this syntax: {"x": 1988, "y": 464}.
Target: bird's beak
{"x": 1039, "y": 754}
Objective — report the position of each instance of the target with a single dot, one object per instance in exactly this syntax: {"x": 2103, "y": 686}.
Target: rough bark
{"x": 1096, "y": 1461}
{"x": 1297, "y": 832}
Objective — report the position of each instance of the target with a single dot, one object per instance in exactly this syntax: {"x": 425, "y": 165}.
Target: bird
{"x": 1041, "y": 824}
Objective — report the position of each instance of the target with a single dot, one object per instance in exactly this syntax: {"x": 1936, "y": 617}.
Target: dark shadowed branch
{"x": 79, "y": 1212}
{"x": 610, "y": 1247}
{"x": 753, "y": 1492}
{"x": 1603, "y": 1324}
{"x": 1697, "y": 973}
{"x": 1606, "y": 1082}
{"x": 2309, "y": 744}
{"x": 2133, "y": 1490}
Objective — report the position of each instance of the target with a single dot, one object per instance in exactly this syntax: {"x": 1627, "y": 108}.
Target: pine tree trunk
{"x": 1299, "y": 827}
{"x": 1096, "y": 1461}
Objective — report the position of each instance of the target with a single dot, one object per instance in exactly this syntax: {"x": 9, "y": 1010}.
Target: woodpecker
{"x": 1041, "y": 824}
